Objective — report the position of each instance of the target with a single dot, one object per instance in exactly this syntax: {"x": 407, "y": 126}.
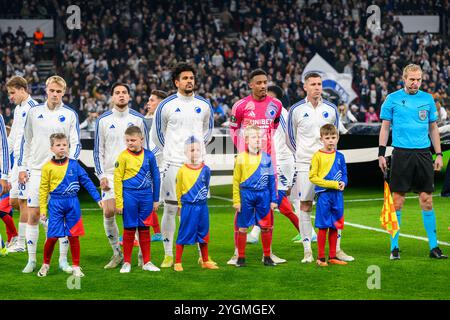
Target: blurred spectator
{"x": 345, "y": 115}
{"x": 8, "y": 116}
{"x": 89, "y": 123}
{"x": 153, "y": 101}
{"x": 371, "y": 115}
{"x": 357, "y": 113}
{"x": 441, "y": 112}
{"x": 38, "y": 39}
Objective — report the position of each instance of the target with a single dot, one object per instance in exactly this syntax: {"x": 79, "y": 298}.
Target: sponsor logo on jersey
{"x": 252, "y": 114}
{"x": 61, "y": 118}
{"x": 112, "y": 126}
{"x": 325, "y": 114}
{"x": 423, "y": 114}
{"x": 41, "y": 117}
{"x": 198, "y": 109}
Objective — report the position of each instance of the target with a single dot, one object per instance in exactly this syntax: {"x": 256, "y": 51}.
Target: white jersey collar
{"x": 311, "y": 105}
{"x": 25, "y": 102}
{"x": 121, "y": 114}
{"x": 56, "y": 108}
{"x": 184, "y": 98}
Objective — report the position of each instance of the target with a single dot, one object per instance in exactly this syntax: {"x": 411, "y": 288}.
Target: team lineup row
{"x": 289, "y": 140}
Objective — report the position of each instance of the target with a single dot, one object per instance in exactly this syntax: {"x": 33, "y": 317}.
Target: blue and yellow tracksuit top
{"x": 253, "y": 173}
{"x": 192, "y": 184}
{"x": 61, "y": 179}
{"x": 136, "y": 171}
{"x": 327, "y": 169}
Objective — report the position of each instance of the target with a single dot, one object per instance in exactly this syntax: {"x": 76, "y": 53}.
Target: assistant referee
{"x": 412, "y": 114}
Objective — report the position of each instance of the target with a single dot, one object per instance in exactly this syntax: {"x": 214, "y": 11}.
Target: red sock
{"x": 48, "y": 249}
{"x": 332, "y": 241}
{"x": 266, "y": 239}
{"x": 128, "y": 243}
{"x": 286, "y": 210}
{"x": 241, "y": 243}
{"x": 11, "y": 230}
{"x": 144, "y": 242}
{"x": 75, "y": 250}
{"x": 321, "y": 239}
{"x": 178, "y": 253}
{"x": 156, "y": 228}
{"x": 204, "y": 251}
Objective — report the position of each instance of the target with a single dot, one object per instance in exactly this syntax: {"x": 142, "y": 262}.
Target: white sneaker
{"x": 140, "y": 260}
{"x": 115, "y": 261}
{"x": 233, "y": 260}
{"x": 16, "y": 248}
{"x": 276, "y": 259}
{"x": 251, "y": 239}
{"x": 76, "y": 272}
{"x": 30, "y": 267}
{"x": 126, "y": 268}
{"x": 43, "y": 271}
{"x": 341, "y": 255}
{"x": 150, "y": 267}
{"x": 308, "y": 257}
{"x": 64, "y": 266}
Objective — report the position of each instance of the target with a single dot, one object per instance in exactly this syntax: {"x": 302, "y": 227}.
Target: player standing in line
{"x": 329, "y": 174}
{"x": 192, "y": 195}
{"x": 305, "y": 119}
{"x": 60, "y": 181}
{"x": 17, "y": 88}
{"x": 263, "y": 111}
{"x": 136, "y": 189}
{"x": 285, "y": 169}
{"x": 180, "y": 115}
{"x": 413, "y": 115}
{"x": 153, "y": 101}
{"x": 109, "y": 143}
{"x": 5, "y": 208}
{"x": 52, "y": 116}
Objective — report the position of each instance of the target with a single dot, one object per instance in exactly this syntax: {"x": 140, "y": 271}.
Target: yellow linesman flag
{"x": 388, "y": 215}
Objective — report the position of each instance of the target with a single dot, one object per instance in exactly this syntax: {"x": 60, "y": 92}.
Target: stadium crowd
{"x": 136, "y": 42}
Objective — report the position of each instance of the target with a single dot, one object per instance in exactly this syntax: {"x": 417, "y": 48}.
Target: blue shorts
{"x": 137, "y": 208}
{"x": 255, "y": 209}
{"x": 330, "y": 210}
{"x": 194, "y": 224}
{"x": 64, "y": 217}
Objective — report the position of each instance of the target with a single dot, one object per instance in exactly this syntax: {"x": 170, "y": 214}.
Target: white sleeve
{"x": 99, "y": 149}
{"x": 74, "y": 137}
{"x": 444, "y": 129}
{"x": 342, "y": 129}
{"x": 5, "y": 151}
{"x": 291, "y": 130}
{"x": 351, "y": 116}
{"x": 25, "y": 144}
{"x": 13, "y": 133}
{"x": 144, "y": 129}
{"x": 159, "y": 126}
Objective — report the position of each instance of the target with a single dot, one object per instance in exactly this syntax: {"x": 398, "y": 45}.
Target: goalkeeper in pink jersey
{"x": 260, "y": 110}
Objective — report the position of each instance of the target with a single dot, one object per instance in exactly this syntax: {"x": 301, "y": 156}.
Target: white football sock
{"x": 338, "y": 243}
{"x": 168, "y": 227}
{"x": 22, "y": 231}
{"x": 32, "y": 236}
{"x": 305, "y": 229}
{"x": 112, "y": 233}
{"x": 256, "y": 231}
{"x": 63, "y": 249}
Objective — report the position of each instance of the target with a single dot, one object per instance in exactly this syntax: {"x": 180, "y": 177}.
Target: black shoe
{"x": 395, "y": 254}
{"x": 240, "y": 262}
{"x": 269, "y": 262}
{"x": 436, "y": 253}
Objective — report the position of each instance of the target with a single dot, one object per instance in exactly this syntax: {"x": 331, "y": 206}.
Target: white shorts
{"x": 33, "y": 188}
{"x": 303, "y": 189}
{"x": 285, "y": 175}
{"x": 18, "y": 190}
{"x": 107, "y": 195}
{"x": 168, "y": 181}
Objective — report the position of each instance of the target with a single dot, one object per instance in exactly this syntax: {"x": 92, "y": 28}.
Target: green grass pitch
{"x": 415, "y": 276}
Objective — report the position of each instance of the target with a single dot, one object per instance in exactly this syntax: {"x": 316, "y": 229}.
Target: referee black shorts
{"x": 412, "y": 170}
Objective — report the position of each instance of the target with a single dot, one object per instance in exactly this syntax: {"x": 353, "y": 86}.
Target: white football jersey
{"x": 4, "y": 155}
{"x": 282, "y": 152}
{"x": 303, "y": 125}
{"x": 41, "y": 122}
{"x": 110, "y": 137}
{"x": 176, "y": 119}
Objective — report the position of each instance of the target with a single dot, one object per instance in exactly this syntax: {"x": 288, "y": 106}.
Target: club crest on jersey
{"x": 325, "y": 114}
{"x": 198, "y": 109}
{"x": 271, "y": 110}
{"x": 422, "y": 114}
{"x": 62, "y": 118}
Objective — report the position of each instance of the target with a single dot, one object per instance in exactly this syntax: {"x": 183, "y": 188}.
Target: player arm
{"x": 75, "y": 144}
{"x": 344, "y": 172}
{"x": 44, "y": 190}
{"x": 179, "y": 186}
{"x": 87, "y": 183}
{"x": 12, "y": 137}
{"x": 5, "y": 150}
{"x": 156, "y": 178}
{"x": 272, "y": 186}
{"x": 208, "y": 124}
{"x": 237, "y": 173}
{"x": 315, "y": 177}
{"x": 291, "y": 131}
{"x": 99, "y": 150}
{"x": 25, "y": 145}
{"x": 236, "y": 122}
{"x": 146, "y": 133}
{"x": 159, "y": 127}
{"x": 119, "y": 173}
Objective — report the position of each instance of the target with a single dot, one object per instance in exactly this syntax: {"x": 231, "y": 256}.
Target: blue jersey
{"x": 410, "y": 115}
